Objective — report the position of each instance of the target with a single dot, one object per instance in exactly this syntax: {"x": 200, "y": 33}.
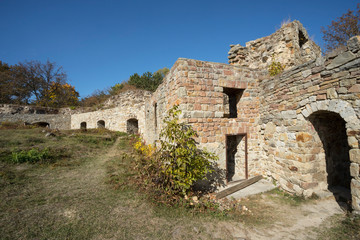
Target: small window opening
{"x": 155, "y": 116}
{"x": 231, "y": 99}
{"x": 101, "y": 124}
{"x": 302, "y": 39}
{"x": 83, "y": 125}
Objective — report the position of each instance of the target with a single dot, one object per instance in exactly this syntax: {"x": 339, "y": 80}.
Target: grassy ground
{"x": 81, "y": 192}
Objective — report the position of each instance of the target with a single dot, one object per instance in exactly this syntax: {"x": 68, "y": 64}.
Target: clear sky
{"x": 101, "y": 43}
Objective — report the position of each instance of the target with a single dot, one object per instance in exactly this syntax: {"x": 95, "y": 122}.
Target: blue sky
{"x": 101, "y": 43}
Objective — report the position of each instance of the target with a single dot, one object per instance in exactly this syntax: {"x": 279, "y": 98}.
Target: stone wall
{"x": 199, "y": 89}
{"x": 125, "y": 106}
{"x": 290, "y": 45}
{"x": 59, "y": 121}
{"x": 295, "y": 110}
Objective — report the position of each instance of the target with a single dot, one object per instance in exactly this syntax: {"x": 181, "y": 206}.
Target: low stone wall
{"x": 58, "y": 121}
{"x": 130, "y": 105}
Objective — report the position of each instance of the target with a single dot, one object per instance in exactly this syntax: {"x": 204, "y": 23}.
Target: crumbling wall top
{"x": 290, "y": 45}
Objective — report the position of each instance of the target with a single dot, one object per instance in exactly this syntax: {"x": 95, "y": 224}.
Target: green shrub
{"x": 31, "y": 156}
{"x": 178, "y": 163}
{"x": 275, "y": 67}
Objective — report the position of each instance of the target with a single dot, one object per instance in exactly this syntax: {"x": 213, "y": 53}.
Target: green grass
{"x": 84, "y": 193}
{"x": 341, "y": 228}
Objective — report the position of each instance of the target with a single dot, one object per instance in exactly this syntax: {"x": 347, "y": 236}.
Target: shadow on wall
{"x": 214, "y": 180}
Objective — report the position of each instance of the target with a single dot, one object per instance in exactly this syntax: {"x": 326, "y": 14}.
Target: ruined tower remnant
{"x": 290, "y": 45}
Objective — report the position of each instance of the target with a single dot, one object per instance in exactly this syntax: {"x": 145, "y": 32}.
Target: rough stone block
{"x": 354, "y": 170}
{"x": 341, "y": 59}
{"x": 353, "y": 44}
{"x": 355, "y": 88}
{"x": 355, "y": 155}
{"x": 331, "y": 93}
{"x": 305, "y": 113}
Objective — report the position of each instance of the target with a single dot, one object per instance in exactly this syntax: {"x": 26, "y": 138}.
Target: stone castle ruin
{"x": 300, "y": 128}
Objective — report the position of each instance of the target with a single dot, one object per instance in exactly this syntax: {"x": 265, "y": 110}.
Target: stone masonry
{"x": 300, "y": 128}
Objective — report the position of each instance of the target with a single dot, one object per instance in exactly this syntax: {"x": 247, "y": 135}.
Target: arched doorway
{"x": 101, "y": 124}
{"x": 83, "y": 125}
{"x": 132, "y": 126}
{"x": 331, "y": 129}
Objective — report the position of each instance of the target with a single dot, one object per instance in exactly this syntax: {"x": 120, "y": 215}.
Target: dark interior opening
{"x": 155, "y": 116}
{"x": 101, "y": 124}
{"x": 231, "y": 99}
{"x": 302, "y": 39}
{"x": 233, "y": 157}
{"x": 41, "y": 124}
{"x": 332, "y": 132}
{"x": 132, "y": 126}
{"x": 83, "y": 125}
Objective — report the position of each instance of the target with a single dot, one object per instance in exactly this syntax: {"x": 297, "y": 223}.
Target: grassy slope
{"x": 79, "y": 195}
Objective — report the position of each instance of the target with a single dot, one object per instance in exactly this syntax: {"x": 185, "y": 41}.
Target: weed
{"x": 33, "y": 155}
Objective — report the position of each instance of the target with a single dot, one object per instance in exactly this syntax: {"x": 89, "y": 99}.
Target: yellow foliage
{"x": 146, "y": 150}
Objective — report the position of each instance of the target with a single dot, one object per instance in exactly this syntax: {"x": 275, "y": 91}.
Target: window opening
{"x": 231, "y": 99}
{"x": 302, "y": 39}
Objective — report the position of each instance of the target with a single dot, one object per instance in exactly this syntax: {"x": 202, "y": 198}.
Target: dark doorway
{"x": 101, "y": 124}
{"x": 132, "y": 126}
{"x": 83, "y": 125}
{"x": 332, "y": 132}
{"x": 236, "y": 157}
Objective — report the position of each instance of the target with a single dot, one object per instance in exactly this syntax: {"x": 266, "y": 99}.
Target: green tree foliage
{"x": 340, "y": 30}
{"x": 116, "y": 89}
{"x": 178, "y": 163}
{"x": 148, "y": 81}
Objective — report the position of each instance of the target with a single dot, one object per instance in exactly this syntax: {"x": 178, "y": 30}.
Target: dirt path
{"x": 75, "y": 202}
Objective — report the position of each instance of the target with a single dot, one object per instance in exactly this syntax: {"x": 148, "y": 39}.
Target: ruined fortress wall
{"x": 165, "y": 96}
{"x": 59, "y": 121}
{"x": 125, "y": 106}
{"x": 198, "y": 88}
{"x": 291, "y": 105}
{"x": 290, "y": 45}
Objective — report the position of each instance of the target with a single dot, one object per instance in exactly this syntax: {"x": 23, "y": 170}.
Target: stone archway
{"x": 101, "y": 124}
{"x": 83, "y": 125}
{"x": 132, "y": 126}
{"x": 339, "y": 130}
{"x": 331, "y": 129}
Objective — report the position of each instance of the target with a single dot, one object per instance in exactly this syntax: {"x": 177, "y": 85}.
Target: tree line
{"x": 46, "y": 84}
{"x": 33, "y": 82}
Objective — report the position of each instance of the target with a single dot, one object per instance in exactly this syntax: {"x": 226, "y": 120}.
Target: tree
{"x": 37, "y": 77}
{"x": 345, "y": 27}
{"x": 12, "y": 89}
{"x": 59, "y": 95}
{"x": 148, "y": 81}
